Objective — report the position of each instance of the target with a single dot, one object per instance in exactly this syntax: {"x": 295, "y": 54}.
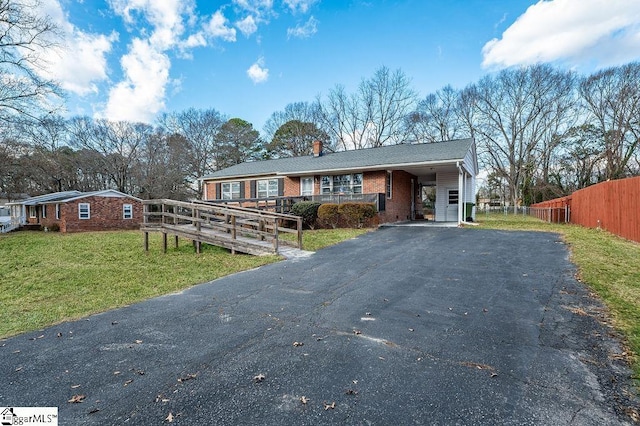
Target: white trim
{"x": 128, "y": 207}
{"x": 80, "y": 212}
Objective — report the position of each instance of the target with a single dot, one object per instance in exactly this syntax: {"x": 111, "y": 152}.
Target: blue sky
{"x": 134, "y": 59}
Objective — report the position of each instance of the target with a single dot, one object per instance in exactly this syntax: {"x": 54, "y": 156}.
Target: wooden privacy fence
{"x": 612, "y": 205}
{"x": 238, "y": 229}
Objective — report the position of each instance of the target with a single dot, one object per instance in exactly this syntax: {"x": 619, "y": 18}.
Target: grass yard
{"x": 608, "y": 264}
{"x": 47, "y": 278}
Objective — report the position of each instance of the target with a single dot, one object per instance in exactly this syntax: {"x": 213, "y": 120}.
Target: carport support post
{"x": 461, "y": 195}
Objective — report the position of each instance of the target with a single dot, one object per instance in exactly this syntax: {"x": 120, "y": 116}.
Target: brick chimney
{"x": 317, "y": 148}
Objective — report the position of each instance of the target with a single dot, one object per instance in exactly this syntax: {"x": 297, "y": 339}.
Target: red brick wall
{"x": 291, "y": 186}
{"x": 51, "y": 216}
{"x": 105, "y": 214}
{"x": 398, "y": 207}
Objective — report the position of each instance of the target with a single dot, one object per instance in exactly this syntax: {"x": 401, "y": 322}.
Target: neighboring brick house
{"x": 75, "y": 211}
{"x": 392, "y": 177}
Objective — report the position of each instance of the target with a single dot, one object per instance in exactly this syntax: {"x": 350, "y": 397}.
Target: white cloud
{"x": 304, "y": 31}
{"x": 248, "y": 26}
{"x": 605, "y": 32}
{"x": 302, "y": 6}
{"x": 257, "y": 72}
{"x": 255, "y": 7}
{"x": 217, "y": 27}
{"x": 166, "y": 18}
{"x": 141, "y": 95}
{"x": 82, "y": 63}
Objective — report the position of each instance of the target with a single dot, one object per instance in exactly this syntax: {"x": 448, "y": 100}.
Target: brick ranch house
{"x": 75, "y": 211}
{"x": 392, "y": 177}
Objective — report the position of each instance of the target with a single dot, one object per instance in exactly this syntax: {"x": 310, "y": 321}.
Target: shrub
{"x": 328, "y": 216}
{"x": 350, "y": 215}
{"x": 356, "y": 215}
{"x": 308, "y": 210}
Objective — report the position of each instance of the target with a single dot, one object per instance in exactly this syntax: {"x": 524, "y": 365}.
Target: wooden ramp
{"x": 239, "y": 229}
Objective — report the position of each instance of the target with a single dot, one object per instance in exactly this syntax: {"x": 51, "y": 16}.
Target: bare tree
{"x": 199, "y": 128}
{"x": 24, "y": 38}
{"x": 438, "y": 118}
{"x": 374, "y": 115}
{"x": 612, "y": 98}
{"x": 511, "y": 114}
{"x": 118, "y": 142}
{"x": 51, "y": 160}
{"x": 163, "y": 171}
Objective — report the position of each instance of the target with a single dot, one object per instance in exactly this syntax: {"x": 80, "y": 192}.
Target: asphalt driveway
{"x": 399, "y": 326}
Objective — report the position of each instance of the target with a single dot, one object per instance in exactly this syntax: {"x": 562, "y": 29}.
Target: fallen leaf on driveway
{"x": 356, "y": 332}
{"x": 329, "y": 406}
{"x": 75, "y": 386}
{"x": 76, "y": 399}
{"x": 187, "y": 377}
{"x": 138, "y": 341}
{"x": 259, "y": 378}
{"x": 304, "y": 399}
{"x": 169, "y": 418}
{"x": 296, "y": 344}
{"x": 128, "y": 382}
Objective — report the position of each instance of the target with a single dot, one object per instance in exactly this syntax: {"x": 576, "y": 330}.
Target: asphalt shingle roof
{"x": 356, "y": 159}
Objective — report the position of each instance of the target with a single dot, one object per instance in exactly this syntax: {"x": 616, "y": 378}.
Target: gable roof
{"x": 55, "y": 196}
{"x": 66, "y": 196}
{"x": 360, "y": 159}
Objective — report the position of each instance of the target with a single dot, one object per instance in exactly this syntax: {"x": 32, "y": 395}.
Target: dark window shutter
{"x": 252, "y": 188}
{"x": 242, "y": 189}
{"x": 280, "y": 187}
{"x": 218, "y": 191}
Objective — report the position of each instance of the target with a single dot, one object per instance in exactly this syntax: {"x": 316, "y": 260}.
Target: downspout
{"x": 461, "y": 195}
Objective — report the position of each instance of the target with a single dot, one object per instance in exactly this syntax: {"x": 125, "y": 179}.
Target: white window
{"x": 306, "y": 186}
{"x": 230, "y": 190}
{"x": 32, "y": 211}
{"x": 44, "y": 212}
{"x": 84, "y": 211}
{"x": 267, "y": 188}
{"x": 342, "y": 184}
{"x": 453, "y": 196}
{"x": 127, "y": 211}
{"x": 57, "y": 211}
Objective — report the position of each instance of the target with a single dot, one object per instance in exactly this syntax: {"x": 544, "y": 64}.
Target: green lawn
{"x": 608, "y": 264}
{"x": 46, "y": 278}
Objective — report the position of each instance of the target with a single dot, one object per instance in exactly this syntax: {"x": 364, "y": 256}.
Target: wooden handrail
{"x": 209, "y": 222}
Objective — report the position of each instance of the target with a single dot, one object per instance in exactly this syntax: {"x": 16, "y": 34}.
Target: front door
{"x": 453, "y": 196}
